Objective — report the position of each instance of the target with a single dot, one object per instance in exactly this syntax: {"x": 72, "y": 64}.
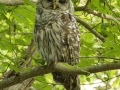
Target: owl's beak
{"x": 54, "y": 5}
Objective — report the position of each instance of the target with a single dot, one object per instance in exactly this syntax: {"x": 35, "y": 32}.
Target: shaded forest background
{"x": 99, "y": 24}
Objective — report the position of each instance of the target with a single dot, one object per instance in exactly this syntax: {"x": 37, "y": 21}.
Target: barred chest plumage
{"x": 57, "y": 37}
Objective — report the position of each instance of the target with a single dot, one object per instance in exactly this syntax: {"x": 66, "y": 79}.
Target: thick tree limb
{"x": 41, "y": 70}
{"x": 87, "y": 70}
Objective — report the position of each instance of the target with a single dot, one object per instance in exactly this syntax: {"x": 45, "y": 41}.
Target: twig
{"x": 104, "y": 57}
{"x": 87, "y": 3}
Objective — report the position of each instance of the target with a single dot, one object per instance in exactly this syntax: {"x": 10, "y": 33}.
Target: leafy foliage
{"x": 16, "y": 32}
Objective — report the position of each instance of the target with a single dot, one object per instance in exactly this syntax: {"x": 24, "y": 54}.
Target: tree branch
{"x": 41, "y": 70}
{"x": 15, "y": 2}
{"x": 97, "y": 13}
{"x": 12, "y": 2}
{"x": 90, "y": 29}
{"x": 36, "y": 71}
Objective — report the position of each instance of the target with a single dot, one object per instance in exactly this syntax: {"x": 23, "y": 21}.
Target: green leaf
{"x": 105, "y": 78}
{"x": 89, "y": 37}
{"x": 13, "y": 67}
{"x": 101, "y": 1}
{"x": 21, "y": 15}
{"x": 6, "y": 44}
{"x": 20, "y": 41}
{"x": 86, "y": 62}
{"x": 40, "y": 61}
{"x": 2, "y": 7}
{"x": 49, "y": 87}
{"x": 88, "y": 79}
{"x": 2, "y": 68}
{"x": 96, "y": 2}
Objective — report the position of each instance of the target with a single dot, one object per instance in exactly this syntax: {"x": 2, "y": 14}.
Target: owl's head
{"x": 61, "y": 5}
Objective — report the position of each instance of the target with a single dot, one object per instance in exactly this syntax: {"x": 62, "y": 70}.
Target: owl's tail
{"x": 70, "y": 82}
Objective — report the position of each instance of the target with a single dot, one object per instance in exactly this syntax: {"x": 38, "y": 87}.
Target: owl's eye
{"x": 49, "y": 0}
{"x": 62, "y": 1}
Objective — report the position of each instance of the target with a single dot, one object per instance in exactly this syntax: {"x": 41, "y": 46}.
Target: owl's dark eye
{"x": 62, "y": 1}
{"x": 49, "y": 0}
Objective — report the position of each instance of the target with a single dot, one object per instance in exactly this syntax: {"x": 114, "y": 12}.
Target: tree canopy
{"x": 99, "y": 25}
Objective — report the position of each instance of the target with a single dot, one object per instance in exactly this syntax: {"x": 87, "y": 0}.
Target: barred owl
{"x": 57, "y": 37}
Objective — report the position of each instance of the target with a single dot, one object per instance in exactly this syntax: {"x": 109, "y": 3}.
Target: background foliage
{"x": 16, "y": 32}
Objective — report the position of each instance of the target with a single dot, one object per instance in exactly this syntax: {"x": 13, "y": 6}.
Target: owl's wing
{"x": 68, "y": 33}
{"x": 70, "y": 36}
